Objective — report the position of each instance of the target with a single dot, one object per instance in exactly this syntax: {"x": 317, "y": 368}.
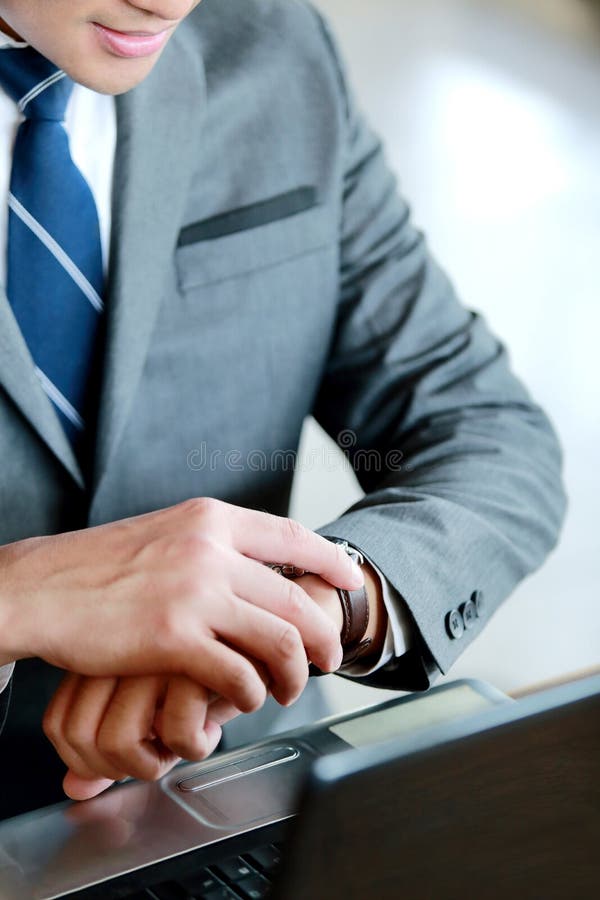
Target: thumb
{"x": 78, "y": 788}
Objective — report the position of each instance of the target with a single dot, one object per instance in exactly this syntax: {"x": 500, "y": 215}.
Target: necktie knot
{"x": 39, "y": 88}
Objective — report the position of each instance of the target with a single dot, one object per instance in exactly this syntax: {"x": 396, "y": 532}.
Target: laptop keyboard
{"x": 245, "y": 877}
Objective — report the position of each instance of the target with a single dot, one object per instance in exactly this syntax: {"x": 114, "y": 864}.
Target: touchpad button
{"x": 254, "y": 786}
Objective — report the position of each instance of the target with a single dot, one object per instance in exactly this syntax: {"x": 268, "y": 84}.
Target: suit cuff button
{"x": 455, "y": 625}
{"x": 478, "y": 599}
{"x": 469, "y": 614}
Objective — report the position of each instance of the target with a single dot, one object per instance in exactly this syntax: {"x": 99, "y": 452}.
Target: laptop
{"x": 459, "y": 791}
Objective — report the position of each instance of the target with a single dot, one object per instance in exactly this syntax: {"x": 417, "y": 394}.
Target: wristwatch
{"x": 355, "y": 608}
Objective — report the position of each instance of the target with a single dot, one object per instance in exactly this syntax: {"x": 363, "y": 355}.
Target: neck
{"x": 5, "y": 27}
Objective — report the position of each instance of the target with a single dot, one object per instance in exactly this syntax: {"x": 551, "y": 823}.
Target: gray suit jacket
{"x": 263, "y": 267}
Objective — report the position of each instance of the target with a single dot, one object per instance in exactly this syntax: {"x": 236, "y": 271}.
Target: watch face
{"x": 352, "y": 552}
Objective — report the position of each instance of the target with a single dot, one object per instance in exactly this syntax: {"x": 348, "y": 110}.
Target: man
{"x": 256, "y": 265}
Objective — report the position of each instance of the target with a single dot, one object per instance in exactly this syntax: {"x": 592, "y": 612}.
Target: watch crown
{"x": 354, "y": 554}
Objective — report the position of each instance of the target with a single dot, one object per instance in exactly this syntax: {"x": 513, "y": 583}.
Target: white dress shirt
{"x": 90, "y": 122}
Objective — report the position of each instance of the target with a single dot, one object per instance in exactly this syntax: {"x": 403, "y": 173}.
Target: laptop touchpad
{"x": 250, "y": 787}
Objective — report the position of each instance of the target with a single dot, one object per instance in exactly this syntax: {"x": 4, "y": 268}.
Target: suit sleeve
{"x": 461, "y": 469}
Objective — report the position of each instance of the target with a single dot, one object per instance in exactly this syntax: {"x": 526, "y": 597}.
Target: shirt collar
{"x": 8, "y": 43}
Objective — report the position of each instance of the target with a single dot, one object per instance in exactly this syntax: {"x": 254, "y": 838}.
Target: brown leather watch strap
{"x": 355, "y": 608}
{"x": 353, "y": 655}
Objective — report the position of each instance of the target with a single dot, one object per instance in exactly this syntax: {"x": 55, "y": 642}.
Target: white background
{"x": 490, "y": 111}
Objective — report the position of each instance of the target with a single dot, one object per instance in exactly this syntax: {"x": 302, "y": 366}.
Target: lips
{"x": 131, "y": 44}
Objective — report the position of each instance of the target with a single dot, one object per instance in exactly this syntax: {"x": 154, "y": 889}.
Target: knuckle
{"x": 256, "y": 698}
{"x": 195, "y": 506}
{"x": 192, "y": 746}
{"x": 114, "y": 743}
{"x": 290, "y": 643}
{"x": 184, "y": 736}
{"x": 295, "y": 600}
{"x": 296, "y": 532}
{"x": 294, "y": 686}
{"x": 170, "y": 625}
{"x": 202, "y": 511}
{"x": 51, "y": 727}
{"x": 247, "y": 689}
{"x": 198, "y": 547}
{"x": 237, "y": 679}
{"x": 120, "y": 752}
{"x": 74, "y": 737}
{"x": 119, "y": 763}
{"x": 203, "y": 558}
{"x": 144, "y": 770}
{"x": 111, "y": 746}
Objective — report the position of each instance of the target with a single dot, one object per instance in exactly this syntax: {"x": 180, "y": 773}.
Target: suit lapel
{"x": 18, "y": 378}
{"x": 158, "y": 128}
{"x": 158, "y": 134}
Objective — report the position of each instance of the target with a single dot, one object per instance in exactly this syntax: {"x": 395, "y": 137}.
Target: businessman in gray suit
{"x": 259, "y": 267}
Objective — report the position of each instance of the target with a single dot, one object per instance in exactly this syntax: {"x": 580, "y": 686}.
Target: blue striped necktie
{"x": 55, "y": 280}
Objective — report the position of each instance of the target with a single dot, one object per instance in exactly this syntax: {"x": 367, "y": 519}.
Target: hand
{"x": 180, "y": 591}
{"x": 107, "y": 728}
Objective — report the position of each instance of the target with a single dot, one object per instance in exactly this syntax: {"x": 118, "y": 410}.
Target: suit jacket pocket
{"x": 256, "y": 246}
{"x": 280, "y": 207}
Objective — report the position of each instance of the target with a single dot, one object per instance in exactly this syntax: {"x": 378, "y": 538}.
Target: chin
{"x": 108, "y": 79}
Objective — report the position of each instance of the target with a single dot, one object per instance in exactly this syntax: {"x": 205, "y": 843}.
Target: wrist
{"x": 10, "y": 624}
{"x": 8, "y": 653}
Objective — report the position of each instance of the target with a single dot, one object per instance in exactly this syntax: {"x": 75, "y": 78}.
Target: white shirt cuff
{"x": 398, "y": 637}
{"x": 5, "y": 675}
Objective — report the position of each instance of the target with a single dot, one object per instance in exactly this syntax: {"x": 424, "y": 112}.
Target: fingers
{"x": 183, "y": 719}
{"x": 58, "y": 706}
{"x": 221, "y": 711}
{"x": 125, "y": 736}
{"x": 229, "y": 673}
{"x": 101, "y": 728}
{"x": 287, "y": 600}
{"x": 272, "y": 538}
{"x": 78, "y": 788}
{"x": 146, "y": 744}
{"x": 72, "y": 721}
{"x": 214, "y": 734}
{"x": 267, "y": 638}
{"x": 106, "y": 728}
{"x": 127, "y": 733}
{"x": 218, "y": 712}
